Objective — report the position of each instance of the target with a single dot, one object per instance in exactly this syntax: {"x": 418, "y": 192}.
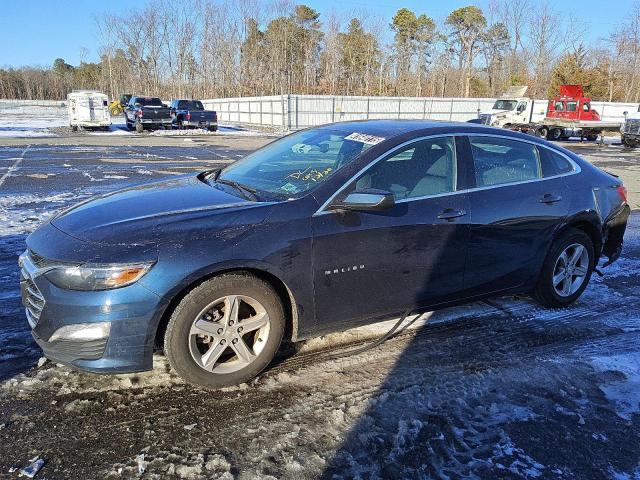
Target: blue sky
{"x": 35, "y": 32}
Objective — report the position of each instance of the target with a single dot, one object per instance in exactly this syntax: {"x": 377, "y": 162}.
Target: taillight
{"x": 188, "y": 116}
{"x": 622, "y": 191}
{"x": 139, "y": 113}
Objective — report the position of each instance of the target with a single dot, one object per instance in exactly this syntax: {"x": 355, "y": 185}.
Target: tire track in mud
{"x": 498, "y": 327}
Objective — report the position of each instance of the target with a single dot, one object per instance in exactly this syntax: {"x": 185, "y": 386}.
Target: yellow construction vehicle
{"x": 117, "y": 106}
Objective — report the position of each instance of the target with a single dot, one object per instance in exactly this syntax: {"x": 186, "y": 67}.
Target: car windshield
{"x": 505, "y": 104}
{"x": 190, "y": 105}
{"x": 297, "y": 163}
{"x": 149, "y": 101}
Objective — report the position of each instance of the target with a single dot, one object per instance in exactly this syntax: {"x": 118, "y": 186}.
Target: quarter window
{"x": 553, "y": 163}
{"x": 500, "y": 161}
{"x": 421, "y": 169}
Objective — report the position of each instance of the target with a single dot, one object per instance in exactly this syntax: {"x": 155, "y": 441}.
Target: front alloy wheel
{"x": 230, "y": 339}
{"x": 229, "y": 334}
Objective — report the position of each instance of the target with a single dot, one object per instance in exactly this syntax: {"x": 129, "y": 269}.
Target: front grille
{"x": 32, "y": 298}
{"x": 632, "y": 127}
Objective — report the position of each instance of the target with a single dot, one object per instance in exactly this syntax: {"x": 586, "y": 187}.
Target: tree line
{"x": 223, "y": 48}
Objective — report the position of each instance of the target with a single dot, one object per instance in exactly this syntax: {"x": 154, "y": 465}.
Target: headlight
{"x": 103, "y": 277}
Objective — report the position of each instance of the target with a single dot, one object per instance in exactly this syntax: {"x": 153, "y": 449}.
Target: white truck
{"x": 630, "y": 130}
{"x": 88, "y": 109}
{"x": 513, "y": 108}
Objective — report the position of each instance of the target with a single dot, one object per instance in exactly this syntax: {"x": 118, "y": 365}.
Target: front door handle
{"x": 549, "y": 198}
{"x": 451, "y": 214}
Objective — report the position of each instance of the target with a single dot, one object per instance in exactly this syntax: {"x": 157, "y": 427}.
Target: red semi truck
{"x": 568, "y": 115}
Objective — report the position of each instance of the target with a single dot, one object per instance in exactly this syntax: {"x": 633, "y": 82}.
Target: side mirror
{"x": 366, "y": 200}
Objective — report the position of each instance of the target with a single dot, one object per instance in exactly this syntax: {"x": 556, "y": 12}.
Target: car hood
{"x": 133, "y": 213}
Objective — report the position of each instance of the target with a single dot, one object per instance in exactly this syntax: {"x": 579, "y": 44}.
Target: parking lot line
{"x": 14, "y": 166}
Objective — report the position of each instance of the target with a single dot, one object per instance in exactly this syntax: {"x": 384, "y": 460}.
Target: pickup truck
{"x": 147, "y": 113}
{"x": 191, "y": 114}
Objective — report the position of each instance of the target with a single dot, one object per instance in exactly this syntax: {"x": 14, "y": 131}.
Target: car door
{"x": 515, "y": 209}
{"x": 372, "y": 263}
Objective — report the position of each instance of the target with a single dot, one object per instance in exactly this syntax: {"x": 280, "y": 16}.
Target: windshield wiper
{"x": 247, "y": 192}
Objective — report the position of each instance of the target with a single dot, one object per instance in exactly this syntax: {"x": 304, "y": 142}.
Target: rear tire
{"x": 566, "y": 270}
{"x": 555, "y": 134}
{"x": 226, "y": 354}
{"x": 213, "y": 129}
{"x": 542, "y": 132}
{"x": 592, "y": 137}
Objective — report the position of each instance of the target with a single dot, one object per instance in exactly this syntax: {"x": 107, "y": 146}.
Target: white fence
{"x": 32, "y": 103}
{"x": 290, "y": 112}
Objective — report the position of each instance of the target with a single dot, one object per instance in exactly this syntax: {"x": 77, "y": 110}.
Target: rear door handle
{"x": 451, "y": 214}
{"x": 549, "y": 198}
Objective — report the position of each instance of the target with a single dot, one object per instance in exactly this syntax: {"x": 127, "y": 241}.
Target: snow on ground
{"x": 48, "y": 121}
{"x": 31, "y": 121}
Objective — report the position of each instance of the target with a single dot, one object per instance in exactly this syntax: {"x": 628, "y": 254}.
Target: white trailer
{"x": 88, "y": 109}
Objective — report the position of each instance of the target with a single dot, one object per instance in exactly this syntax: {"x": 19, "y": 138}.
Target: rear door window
{"x": 500, "y": 161}
{"x": 553, "y": 163}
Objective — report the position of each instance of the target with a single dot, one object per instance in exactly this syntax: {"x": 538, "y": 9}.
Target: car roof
{"x": 392, "y": 128}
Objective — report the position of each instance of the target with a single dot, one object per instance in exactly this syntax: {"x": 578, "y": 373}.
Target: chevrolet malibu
{"x": 323, "y": 230}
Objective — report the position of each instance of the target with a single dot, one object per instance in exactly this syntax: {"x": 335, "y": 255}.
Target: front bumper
{"x": 631, "y": 136}
{"x": 131, "y": 311}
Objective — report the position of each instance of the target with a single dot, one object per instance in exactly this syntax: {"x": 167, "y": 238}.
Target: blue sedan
{"x": 323, "y": 230}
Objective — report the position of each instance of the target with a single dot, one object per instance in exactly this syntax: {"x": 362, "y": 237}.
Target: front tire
{"x": 566, "y": 270}
{"x": 627, "y": 142}
{"x": 225, "y": 331}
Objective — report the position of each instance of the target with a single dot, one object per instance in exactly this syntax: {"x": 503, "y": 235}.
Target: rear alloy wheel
{"x": 566, "y": 270}
{"x": 227, "y": 340}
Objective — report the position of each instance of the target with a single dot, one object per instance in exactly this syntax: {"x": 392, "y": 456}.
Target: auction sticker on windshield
{"x": 363, "y": 138}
